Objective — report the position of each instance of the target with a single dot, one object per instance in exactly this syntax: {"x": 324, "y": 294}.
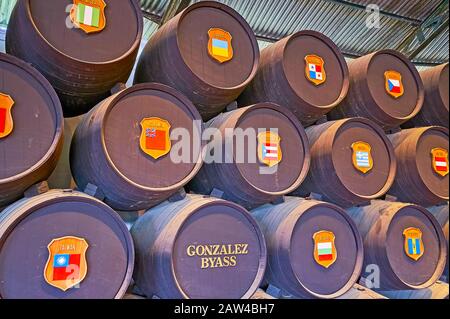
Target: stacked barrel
{"x": 289, "y": 170}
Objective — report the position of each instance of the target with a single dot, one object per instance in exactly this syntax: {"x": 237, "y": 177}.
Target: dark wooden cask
{"x": 198, "y": 248}
{"x": 352, "y": 162}
{"x": 63, "y": 244}
{"x": 390, "y": 231}
{"x": 208, "y": 52}
{"x": 441, "y": 213}
{"x": 253, "y": 178}
{"x": 122, "y": 149}
{"x": 305, "y": 71}
{"x": 83, "y": 64}
{"x": 31, "y": 128}
{"x": 299, "y": 234}
{"x": 435, "y": 107}
{"x": 385, "y": 87}
{"x": 422, "y": 170}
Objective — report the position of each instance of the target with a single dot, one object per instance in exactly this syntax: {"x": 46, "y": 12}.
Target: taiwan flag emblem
{"x": 394, "y": 85}
{"x": 269, "y": 149}
{"x": 219, "y": 45}
{"x": 414, "y": 248}
{"x": 440, "y": 161}
{"x": 89, "y": 15}
{"x": 66, "y": 266}
{"x": 6, "y": 120}
{"x": 155, "y": 137}
{"x": 325, "y": 253}
{"x": 315, "y": 69}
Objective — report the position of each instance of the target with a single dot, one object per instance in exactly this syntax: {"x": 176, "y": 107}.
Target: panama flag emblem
{"x": 6, "y": 120}
{"x": 219, "y": 45}
{"x": 440, "y": 161}
{"x": 315, "y": 69}
{"x": 394, "y": 85}
{"x": 66, "y": 265}
{"x": 413, "y": 243}
{"x": 325, "y": 253}
{"x": 269, "y": 150}
{"x": 89, "y": 15}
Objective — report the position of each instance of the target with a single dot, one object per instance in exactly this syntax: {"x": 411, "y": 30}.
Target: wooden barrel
{"x": 441, "y": 213}
{"x": 252, "y": 179}
{"x": 31, "y": 128}
{"x": 385, "y": 87}
{"x": 123, "y": 147}
{"x": 198, "y": 248}
{"x": 295, "y": 232}
{"x": 82, "y": 64}
{"x": 208, "y": 52}
{"x": 63, "y": 244}
{"x": 422, "y": 174}
{"x": 305, "y": 72}
{"x": 352, "y": 162}
{"x": 387, "y": 228}
{"x": 435, "y": 107}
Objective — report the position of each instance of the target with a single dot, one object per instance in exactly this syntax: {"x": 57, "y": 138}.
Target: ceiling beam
{"x": 174, "y": 7}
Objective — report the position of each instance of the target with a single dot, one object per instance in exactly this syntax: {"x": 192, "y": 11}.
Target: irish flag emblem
{"x": 89, "y": 15}
{"x": 325, "y": 253}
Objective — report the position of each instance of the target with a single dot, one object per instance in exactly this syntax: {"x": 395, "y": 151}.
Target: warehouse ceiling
{"x": 418, "y": 28}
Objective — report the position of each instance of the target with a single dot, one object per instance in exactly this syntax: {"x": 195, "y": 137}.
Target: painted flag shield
{"x": 440, "y": 161}
{"x": 325, "y": 252}
{"x": 414, "y": 248}
{"x": 89, "y": 15}
{"x": 362, "y": 157}
{"x": 269, "y": 148}
{"x": 155, "y": 137}
{"x": 219, "y": 45}
{"x": 315, "y": 69}
{"x": 394, "y": 85}
{"x": 6, "y": 119}
{"x": 67, "y": 265}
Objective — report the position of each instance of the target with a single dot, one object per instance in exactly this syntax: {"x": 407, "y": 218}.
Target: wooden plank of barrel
{"x": 198, "y": 248}
{"x": 255, "y": 178}
{"x": 441, "y": 213}
{"x": 385, "y": 87}
{"x": 352, "y": 162}
{"x": 63, "y": 244}
{"x": 124, "y": 146}
{"x": 435, "y": 107}
{"x": 314, "y": 248}
{"x": 31, "y": 128}
{"x": 422, "y": 157}
{"x": 208, "y": 52}
{"x": 305, "y": 72}
{"x": 404, "y": 241}
{"x": 82, "y": 63}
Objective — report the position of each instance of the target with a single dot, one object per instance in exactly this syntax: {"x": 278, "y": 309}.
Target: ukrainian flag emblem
{"x": 413, "y": 243}
{"x": 219, "y": 45}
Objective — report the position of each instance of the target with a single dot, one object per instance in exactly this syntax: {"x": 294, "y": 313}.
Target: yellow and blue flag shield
{"x": 219, "y": 45}
{"x": 413, "y": 243}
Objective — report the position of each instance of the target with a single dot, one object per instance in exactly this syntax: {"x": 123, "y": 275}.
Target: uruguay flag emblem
{"x": 394, "y": 85}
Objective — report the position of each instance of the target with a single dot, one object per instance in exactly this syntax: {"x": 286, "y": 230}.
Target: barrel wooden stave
{"x": 112, "y": 160}
{"x": 368, "y": 96}
{"x": 82, "y": 68}
{"x": 243, "y": 183}
{"x": 416, "y": 181}
{"x": 436, "y": 104}
{"x": 163, "y": 268}
{"x": 381, "y": 225}
{"x": 177, "y": 55}
{"x": 441, "y": 213}
{"x": 291, "y": 266}
{"x": 331, "y": 152}
{"x": 30, "y": 152}
{"x": 29, "y": 225}
{"x": 277, "y": 78}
